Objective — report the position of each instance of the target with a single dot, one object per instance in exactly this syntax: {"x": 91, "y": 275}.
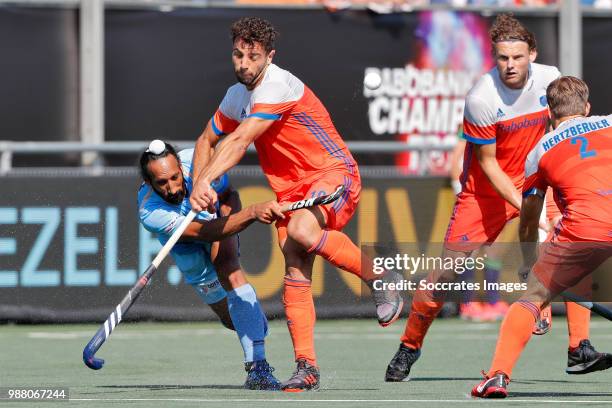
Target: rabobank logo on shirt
{"x": 543, "y": 100}
{"x": 523, "y": 124}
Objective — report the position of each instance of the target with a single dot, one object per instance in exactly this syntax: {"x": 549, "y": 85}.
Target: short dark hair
{"x": 147, "y": 157}
{"x": 255, "y": 29}
{"x": 508, "y": 28}
{"x": 567, "y": 96}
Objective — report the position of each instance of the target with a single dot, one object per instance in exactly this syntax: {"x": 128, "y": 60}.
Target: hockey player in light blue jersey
{"x": 207, "y": 252}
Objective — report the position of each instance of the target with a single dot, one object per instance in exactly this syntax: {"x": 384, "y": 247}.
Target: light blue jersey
{"x": 193, "y": 259}
{"x": 162, "y": 218}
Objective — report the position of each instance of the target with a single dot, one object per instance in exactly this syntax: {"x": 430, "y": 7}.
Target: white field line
{"x": 318, "y": 336}
{"x": 340, "y": 332}
{"x": 341, "y": 401}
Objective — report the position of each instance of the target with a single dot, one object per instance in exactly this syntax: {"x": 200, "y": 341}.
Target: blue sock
{"x": 250, "y": 322}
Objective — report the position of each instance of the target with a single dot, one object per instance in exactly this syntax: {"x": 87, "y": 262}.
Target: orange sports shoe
{"x": 492, "y": 387}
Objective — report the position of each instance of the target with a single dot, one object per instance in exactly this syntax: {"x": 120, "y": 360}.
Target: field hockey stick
{"x": 594, "y": 307}
{"x": 312, "y": 202}
{"x": 115, "y": 318}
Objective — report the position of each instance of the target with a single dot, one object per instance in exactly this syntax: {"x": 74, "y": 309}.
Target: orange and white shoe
{"x": 544, "y": 322}
{"x": 492, "y": 387}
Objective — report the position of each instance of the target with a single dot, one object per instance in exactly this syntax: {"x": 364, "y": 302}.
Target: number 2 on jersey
{"x": 584, "y": 143}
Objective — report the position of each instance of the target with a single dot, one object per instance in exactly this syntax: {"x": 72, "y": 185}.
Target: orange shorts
{"x": 477, "y": 221}
{"x": 338, "y": 213}
{"x": 562, "y": 264}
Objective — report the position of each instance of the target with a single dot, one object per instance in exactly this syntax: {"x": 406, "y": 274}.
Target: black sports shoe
{"x": 492, "y": 387}
{"x": 304, "y": 378}
{"x": 388, "y": 302}
{"x": 585, "y": 359}
{"x": 260, "y": 376}
{"x": 399, "y": 367}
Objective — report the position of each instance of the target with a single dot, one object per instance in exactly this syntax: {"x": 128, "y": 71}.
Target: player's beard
{"x": 255, "y": 78}
{"x": 176, "y": 198}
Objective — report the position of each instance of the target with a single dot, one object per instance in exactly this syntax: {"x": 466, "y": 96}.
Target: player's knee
{"x": 227, "y": 267}
{"x": 233, "y": 279}
{"x": 227, "y": 259}
{"x": 304, "y": 233}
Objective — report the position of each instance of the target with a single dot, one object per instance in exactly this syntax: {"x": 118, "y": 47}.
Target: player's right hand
{"x": 267, "y": 212}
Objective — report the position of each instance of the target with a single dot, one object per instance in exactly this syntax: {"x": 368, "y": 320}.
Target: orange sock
{"x": 514, "y": 334}
{"x": 340, "y": 251}
{"x": 301, "y": 317}
{"x": 578, "y": 321}
{"x": 422, "y": 314}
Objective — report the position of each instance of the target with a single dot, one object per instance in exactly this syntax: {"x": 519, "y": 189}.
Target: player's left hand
{"x": 203, "y": 197}
{"x": 267, "y": 212}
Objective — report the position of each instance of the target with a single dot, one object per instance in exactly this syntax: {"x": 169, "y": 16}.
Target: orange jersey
{"x": 576, "y": 161}
{"x": 302, "y": 142}
{"x": 513, "y": 119}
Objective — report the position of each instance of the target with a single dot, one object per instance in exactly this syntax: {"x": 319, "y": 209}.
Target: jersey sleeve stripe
{"x": 479, "y": 132}
{"x": 476, "y": 140}
{"x": 215, "y": 129}
{"x": 534, "y": 191}
{"x": 223, "y": 124}
{"x": 262, "y": 115}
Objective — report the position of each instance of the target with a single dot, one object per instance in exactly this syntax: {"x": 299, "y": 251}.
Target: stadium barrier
{"x": 70, "y": 254}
